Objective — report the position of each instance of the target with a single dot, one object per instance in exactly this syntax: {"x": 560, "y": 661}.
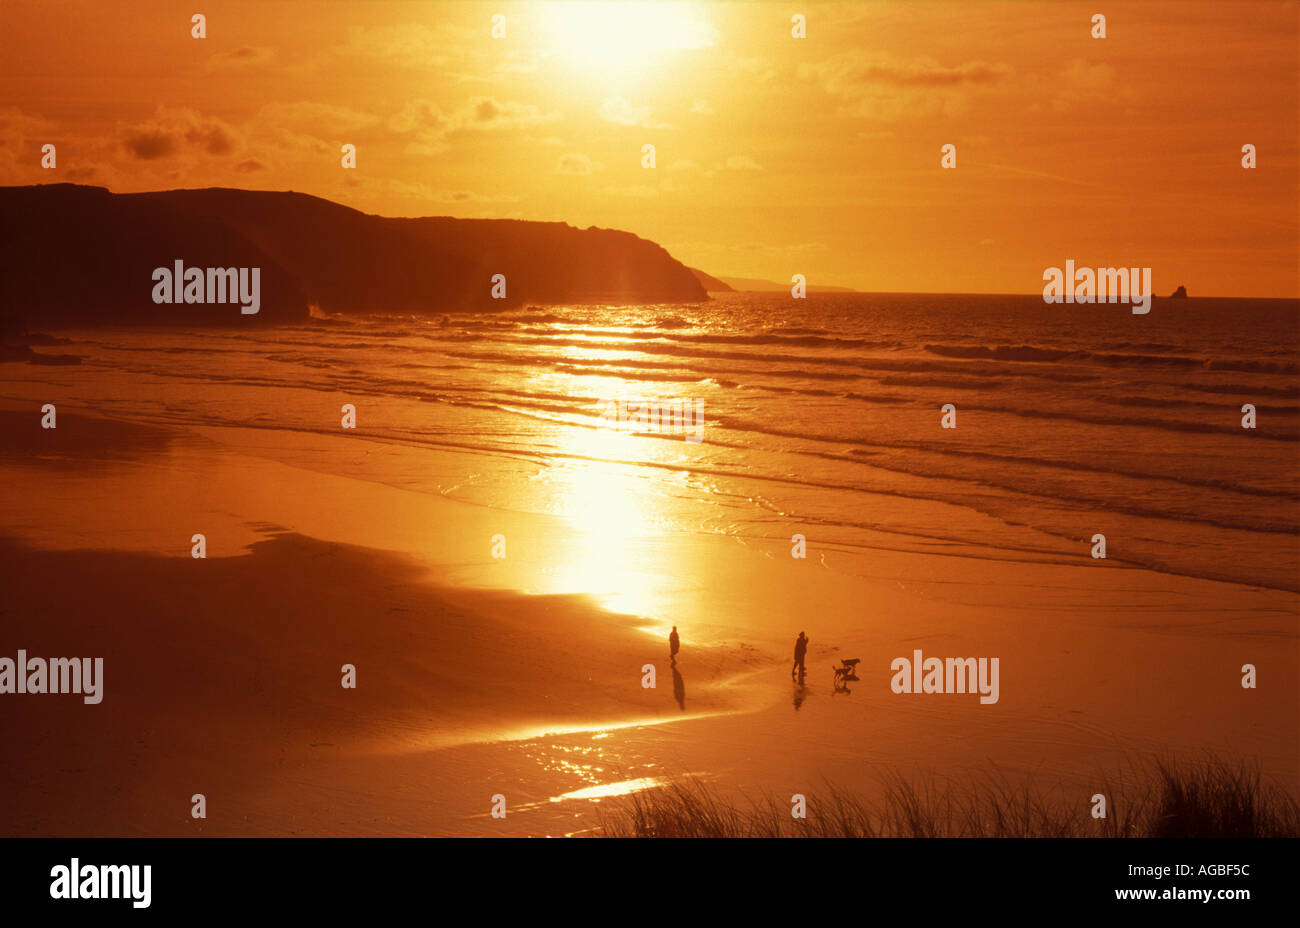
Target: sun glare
{"x": 624, "y": 36}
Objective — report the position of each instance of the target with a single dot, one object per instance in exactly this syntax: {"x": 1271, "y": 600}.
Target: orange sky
{"x": 775, "y": 155}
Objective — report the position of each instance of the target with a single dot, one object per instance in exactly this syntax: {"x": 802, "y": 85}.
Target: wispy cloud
{"x": 885, "y": 87}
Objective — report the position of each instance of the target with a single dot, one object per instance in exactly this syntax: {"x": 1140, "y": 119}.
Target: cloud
{"x": 431, "y": 125}
{"x": 702, "y": 107}
{"x": 742, "y": 163}
{"x": 488, "y": 113}
{"x": 172, "y": 131}
{"x": 249, "y": 165}
{"x": 883, "y": 87}
{"x": 148, "y": 144}
{"x": 214, "y": 138}
{"x": 420, "y": 116}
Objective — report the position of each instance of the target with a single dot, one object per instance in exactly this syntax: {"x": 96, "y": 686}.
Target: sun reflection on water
{"x": 612, "y": 552}
{"x": 606, "y": 790}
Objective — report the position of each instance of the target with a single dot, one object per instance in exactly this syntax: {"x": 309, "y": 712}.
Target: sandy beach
{"x": 522, "y": 675}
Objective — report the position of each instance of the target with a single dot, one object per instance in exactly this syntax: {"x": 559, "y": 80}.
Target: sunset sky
{"x": 775, "y": 155}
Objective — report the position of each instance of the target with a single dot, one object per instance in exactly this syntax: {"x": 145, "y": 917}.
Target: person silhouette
{"x": 800, "y": 650}
{"x": 674, "y": 645}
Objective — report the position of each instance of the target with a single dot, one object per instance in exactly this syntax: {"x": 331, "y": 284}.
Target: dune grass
{"x": 1214, "y": 799}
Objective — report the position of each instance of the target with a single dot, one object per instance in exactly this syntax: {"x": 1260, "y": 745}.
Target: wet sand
{"x": 523, "y": 675}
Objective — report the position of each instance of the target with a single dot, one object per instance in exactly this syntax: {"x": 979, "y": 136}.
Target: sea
{"x": 822, "y": 416}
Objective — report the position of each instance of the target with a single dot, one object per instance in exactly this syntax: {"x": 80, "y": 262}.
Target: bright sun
{"x": 615, "y": 37}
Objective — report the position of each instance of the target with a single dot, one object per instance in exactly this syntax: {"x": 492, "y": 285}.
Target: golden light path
{"x": 606, "y": 790}
{"x": 599, "y": 730}
{"x": 612, "y": 553}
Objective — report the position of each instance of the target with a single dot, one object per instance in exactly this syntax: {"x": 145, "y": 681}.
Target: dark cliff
{"x": 79, "y": 255}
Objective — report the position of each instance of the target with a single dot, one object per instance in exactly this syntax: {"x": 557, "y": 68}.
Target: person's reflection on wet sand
{"x": 799, "y": 693}
{"x": 679, "y": 688}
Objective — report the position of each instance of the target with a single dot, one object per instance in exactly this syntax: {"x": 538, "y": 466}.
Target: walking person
{"x": 800, "y": 650}
{"x": 674, "y": 645}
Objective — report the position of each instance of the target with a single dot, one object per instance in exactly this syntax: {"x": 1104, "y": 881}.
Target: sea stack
{"x": 1179, "y": 294}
